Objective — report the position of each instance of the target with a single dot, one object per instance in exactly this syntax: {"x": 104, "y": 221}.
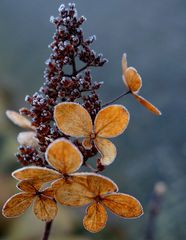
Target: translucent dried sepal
{"x": 95, "y": 218}
{"x": 27, "y": 139}
{"x": 73, "y": 119}
{"x": 45, "y": 208}
{"x": 107, "y": 150}
{"x": 147, "y": 104}
{"x": 19, "y": 120}
{"x": 72, "y": 193}
{"x": 31, "y": 186}
{"x": 17, "y": 204}
{"x": 64, "y": 156}
{"x": 111, "y": 121}
{"x": 36, "y": 173}
{"x": 132, "y": 80}
{"x": 123, "y": 205}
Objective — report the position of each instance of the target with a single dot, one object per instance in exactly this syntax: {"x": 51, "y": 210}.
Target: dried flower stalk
{"x": 67, "y": 126}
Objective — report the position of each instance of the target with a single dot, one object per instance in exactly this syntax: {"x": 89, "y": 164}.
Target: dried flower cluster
{"x": 67, "y": 126}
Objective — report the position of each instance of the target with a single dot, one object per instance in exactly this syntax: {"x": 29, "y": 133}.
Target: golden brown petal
{"x": 48, "y": 192}
{"x": 107, "y": 150}
{"x": 71, "y": 193}
{"x": 132, "y": 79}
{"x": 17, "y": 204}
{"x": 64, "y": 156}
{"x": 95, "y": 218}
{"x": 87, "y": 143}
{"x": 45, "y": 208}
{"x": 111, "y": 121}
{"x": 19, "y": 120}
{"x": 31, "y": 186}
{"x": 36, "y": 173}
{"x": 95, "y": 183}
{"x": 27, "y": 138}
{"x": 123, "y": 205}
{"x": 147, "y": 104}
{"x": 124, "y": 63}
{"x": 73, "y": 119}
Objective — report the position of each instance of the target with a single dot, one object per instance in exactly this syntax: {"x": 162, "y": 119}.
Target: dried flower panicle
{"x": 69, "y": 47}
{"x": 67, "y": 125}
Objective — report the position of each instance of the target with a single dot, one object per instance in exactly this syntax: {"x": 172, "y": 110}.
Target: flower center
{"x": 98, "y": 199}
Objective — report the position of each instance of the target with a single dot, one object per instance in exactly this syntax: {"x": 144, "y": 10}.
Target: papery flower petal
{"x": 71, "y": 193}
{"x": 95, "y": 183}
{"x": 27, "y": 138}
{"x": 36, "y": 173}
{"x": 19, "y": 120}
{"x": 64, "y": 156}
{"x": 49, "y": 192}
{"x": 95, "y": 218}
{"x": 132, "y": 79}
{"x": 87, "y": 143}
{"x": 123, "y": 205}
{"x": 45, "y": 208}
{"x": 73, "y": 119}
{"x": 147, "y": 104}
{"x": 124, "y": 63}
{"x": 107, "y": 150}
{"x": 17, "y": 204}
{"x": 31, "y": 186}
{"x": 111, "y": 121}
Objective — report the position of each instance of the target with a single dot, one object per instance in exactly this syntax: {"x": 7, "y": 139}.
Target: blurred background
{"x": 152, "y": 150}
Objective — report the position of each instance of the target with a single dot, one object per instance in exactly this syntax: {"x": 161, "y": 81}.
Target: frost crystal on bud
{"x": 61, "y": 8}
{"x": 93, "y": 38}
{"x": 52, "y": 19}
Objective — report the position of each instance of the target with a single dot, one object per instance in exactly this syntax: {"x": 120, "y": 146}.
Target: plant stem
{"x": 83, "y": 68}
{"x": 74, "y": 67}
{"x": 117, "y": 98}
{"x": 46, "y": 234}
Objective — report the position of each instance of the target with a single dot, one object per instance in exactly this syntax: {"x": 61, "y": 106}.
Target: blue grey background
{"x": 153, "y": 34}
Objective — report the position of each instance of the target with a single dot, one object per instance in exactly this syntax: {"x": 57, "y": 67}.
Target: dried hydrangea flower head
{"x": 67, "y": 107}
{"x": 100, "y": 193}
{"x": 44, "y": 208}
{"x": 74, "y": 120}
{"x": 70, "y": 188}
{"x": 133, "y": 82}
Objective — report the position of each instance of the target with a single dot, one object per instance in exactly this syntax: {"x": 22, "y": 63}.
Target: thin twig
{"x": 86, "y": 90}
{"x": 83, "y": 68}
{"x": 74, "y": 71}
{"x": 46, "y": 234}
{"x": 67, "y": 75}
{"x": 115, "y": 99}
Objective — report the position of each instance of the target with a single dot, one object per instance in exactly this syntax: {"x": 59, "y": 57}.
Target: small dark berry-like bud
{"x": 63, "y": 81}
{"x": 100, "y": 167}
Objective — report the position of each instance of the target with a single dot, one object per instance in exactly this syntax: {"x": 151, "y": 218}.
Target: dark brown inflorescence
{"x": 67, "y": 79}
